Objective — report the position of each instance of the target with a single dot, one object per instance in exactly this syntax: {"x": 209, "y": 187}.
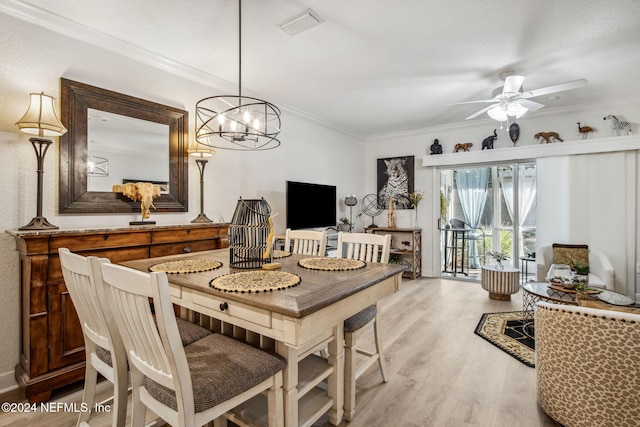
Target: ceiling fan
{"x": 509, "y": 101}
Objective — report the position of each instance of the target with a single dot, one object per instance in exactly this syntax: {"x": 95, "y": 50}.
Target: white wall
{"x": 309, "y": 152}
{"x": 589, "y": 194}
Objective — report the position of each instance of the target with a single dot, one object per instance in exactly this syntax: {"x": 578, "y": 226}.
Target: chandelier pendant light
{"x": 236, "y": 122}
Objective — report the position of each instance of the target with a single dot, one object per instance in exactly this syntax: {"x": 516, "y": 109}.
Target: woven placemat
{"x": 331, "y": 264}
{"x": 187, "y": 266}
{"x": 280, "y": 254}
{"x": 255, "y": 281}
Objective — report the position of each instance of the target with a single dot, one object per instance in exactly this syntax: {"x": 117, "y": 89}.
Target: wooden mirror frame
{"x": 76, "y": 99}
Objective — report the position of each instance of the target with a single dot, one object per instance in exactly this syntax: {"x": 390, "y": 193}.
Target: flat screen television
{"x": 310, "y": 205}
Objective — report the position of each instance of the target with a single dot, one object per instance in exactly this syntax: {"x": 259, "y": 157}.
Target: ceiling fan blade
{"x": 555, "y": 88}
{"x": 512, "y": 84}
{"x": 477, "y": 113}
{"x": 475, "y": 102}
{"x": 530, "y": 105}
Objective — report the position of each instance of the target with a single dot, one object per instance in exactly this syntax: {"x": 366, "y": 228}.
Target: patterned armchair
{"x": 588, "y": 365}
{"x": 601, "y": 273}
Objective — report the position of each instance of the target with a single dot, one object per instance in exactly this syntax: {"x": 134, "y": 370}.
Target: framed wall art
{"x": 395, "y": 179}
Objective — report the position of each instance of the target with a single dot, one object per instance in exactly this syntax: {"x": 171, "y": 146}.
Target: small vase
{"x": 499, "y": 265}
{"x": 415, "y": 218}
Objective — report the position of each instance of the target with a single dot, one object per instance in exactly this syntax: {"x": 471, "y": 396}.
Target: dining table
{"x": 300, "y": 315}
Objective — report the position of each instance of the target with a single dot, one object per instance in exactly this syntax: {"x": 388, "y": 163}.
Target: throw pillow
{"x": 571, "y": 255}
{"x": 591, "y": 302}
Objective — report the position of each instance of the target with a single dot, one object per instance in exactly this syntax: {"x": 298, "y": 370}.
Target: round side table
{"x": 500, "y": 283}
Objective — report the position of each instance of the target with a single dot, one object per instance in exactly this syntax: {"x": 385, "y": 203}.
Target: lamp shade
{"x": 199, "y": 150}
{"x": 41, "y": 118}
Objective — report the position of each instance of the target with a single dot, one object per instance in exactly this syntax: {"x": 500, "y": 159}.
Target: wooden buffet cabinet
{"x": 52, "y": 346}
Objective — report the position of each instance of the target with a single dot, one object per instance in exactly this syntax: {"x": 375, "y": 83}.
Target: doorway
{"x": 485, "y": 209}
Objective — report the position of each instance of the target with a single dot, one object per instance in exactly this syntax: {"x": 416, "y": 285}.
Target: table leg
{"x": 336, "y": 379}
{"x": 289, "y": 384}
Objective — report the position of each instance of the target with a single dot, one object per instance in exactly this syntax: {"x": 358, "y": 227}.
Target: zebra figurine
{"x": 618, "y": 125}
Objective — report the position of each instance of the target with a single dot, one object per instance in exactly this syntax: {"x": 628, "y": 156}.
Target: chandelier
{"x": 236, "y": 122}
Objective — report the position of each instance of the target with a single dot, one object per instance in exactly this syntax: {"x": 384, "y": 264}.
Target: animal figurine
{"x": 584, "y": 130}
{"x": 392, "y": 219}
{"x": 436, "y": 148}
{"x": 548, "y": 137}
{"x": 397, "y": 183}
{"x": 488, "y": 141}
{"x": 617, "y": 125}
{"x": 144, "y": 192}
{"x": 514, "y": 132}
{"x": 464, "y": 147}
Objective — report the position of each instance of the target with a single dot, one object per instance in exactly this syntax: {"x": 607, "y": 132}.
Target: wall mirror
{"x": 114, "y": 138}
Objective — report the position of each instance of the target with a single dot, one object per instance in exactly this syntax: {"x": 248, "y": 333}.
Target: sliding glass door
{"x": 483, "y": 209}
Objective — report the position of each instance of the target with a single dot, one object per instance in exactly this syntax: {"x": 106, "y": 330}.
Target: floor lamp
{"x": 40, "y": 120}
{"x": 200, "y": 152}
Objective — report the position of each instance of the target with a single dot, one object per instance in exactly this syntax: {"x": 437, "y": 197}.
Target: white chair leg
{"x": 89, "y": 394}
{"x": 379, "y": 349}
{"x": 120, "y": 394}
{"x": 138, "y": 409}
{"x": 349, "y": 375}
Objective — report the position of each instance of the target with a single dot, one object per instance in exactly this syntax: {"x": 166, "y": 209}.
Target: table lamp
{"x": 200, "y": 152}
{"x": 41, "y": 120}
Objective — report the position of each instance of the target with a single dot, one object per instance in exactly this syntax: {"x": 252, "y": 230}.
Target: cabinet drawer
{"x": 183, "y": 248}
{"x": 233, "y": 310}
{"x": 185, "y": 234}
{"x": 84, "y": 242}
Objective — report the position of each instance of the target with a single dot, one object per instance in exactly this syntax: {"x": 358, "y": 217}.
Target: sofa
{"x": 601, "y": 273}
{"x": 588, "y": 365}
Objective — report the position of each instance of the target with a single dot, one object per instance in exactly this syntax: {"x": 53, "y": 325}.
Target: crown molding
{"x": 62, "y": 25}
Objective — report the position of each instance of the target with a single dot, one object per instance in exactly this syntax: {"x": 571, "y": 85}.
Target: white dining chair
{"x": 105, "y": 353}
{"x": 306, "y": 242}
{"x": 185, "y": 386}
{"x": 369, "y": 248}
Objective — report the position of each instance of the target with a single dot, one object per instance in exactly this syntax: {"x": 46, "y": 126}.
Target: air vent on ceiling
{"x": 301, "y": 22}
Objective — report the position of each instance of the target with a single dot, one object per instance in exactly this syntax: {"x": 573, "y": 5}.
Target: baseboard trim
{"x": 8, "y": 382}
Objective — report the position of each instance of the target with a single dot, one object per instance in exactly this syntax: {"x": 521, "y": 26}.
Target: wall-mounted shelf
{"x": 533, "y": 151}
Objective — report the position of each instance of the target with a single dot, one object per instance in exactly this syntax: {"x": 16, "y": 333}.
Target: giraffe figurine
{"x": 391, "y": 213}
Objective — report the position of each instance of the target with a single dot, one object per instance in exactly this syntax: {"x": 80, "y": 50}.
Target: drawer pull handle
{"x": 186, "y": 250}
{"x": 188, "y": 231}
{"x": 105, "y": 237}
{"x": 223, "y": 306}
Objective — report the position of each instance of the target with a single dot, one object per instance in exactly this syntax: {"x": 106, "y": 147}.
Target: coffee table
{"x": 533, "y": 292}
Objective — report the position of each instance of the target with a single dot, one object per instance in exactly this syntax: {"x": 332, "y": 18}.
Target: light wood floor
{"x": 440, "y": 372}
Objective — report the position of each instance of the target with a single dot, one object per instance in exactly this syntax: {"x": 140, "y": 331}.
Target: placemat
{"x": 255, "y": 281}
{"x": 331, "y": 264}
{"x": 187, "y": 266}
{"x": 280, "y": 254}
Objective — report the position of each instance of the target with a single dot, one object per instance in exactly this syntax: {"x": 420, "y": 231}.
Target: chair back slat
{"x": 80, "y": 283}
{"x": 306, "y": 242}
{"x": 364, "y": 246}
{"x": 155, "y": 353}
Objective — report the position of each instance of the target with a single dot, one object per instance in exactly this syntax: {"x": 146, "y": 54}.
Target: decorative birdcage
{"x": 248, "y": 234}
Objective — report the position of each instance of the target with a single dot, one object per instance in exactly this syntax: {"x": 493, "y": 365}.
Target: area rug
{"x": 505, "y": 331}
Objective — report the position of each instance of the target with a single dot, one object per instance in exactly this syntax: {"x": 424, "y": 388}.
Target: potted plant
{"x": 344, "y": 224}
{"x": 499, "y": 257}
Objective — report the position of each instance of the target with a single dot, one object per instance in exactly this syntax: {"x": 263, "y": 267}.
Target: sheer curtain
{"x": 526, "y": 194}
{"x": 472, "y": 186}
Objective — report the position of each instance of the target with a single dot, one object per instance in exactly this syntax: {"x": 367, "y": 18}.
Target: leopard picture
{"x": 395, "y": 179}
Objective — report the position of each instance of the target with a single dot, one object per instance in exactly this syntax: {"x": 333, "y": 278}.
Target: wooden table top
{"x": 317, "y": 289}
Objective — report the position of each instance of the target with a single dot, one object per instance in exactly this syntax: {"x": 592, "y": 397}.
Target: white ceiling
{"x": 382, "y": 66}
